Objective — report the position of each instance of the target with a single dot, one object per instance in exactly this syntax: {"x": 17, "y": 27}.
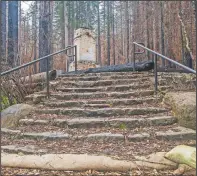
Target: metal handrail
{"x": 42, "y": 58}
{"x": 156, "y": 54}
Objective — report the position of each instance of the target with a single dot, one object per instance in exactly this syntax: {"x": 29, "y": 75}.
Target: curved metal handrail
{"x": 42, "y": 58}
{"x": 156, "y": 54}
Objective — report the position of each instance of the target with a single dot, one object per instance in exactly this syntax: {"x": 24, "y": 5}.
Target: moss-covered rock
{"x": 183, "y": 106}
{"x": 11, "y": 115}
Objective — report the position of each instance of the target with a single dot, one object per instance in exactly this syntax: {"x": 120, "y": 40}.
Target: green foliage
{"x": 5, "y": 102}
{"x": 123, "y": 126}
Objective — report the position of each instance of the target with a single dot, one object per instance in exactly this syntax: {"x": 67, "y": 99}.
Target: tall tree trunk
{"x": 127, "y": 30}
{"x": 104, "y": 16}
{"x": 1, "y": 40}
{"x": 181, "y": 31}
{"x": 122, "y": 41}
{"x": 69, "y": 21}
{"x": 162, "y": 34}
{"x": 188, "y": 52}
{"x": 147, "y": 28}
{"x": 13, "y": 33}
{"x": 77, "y": 15}
{"x": 20, "y": 34}
{"x": 44, "y": 33}
{"x": 34, "y": 25}
{"x": 51, "y": 3}
{"x": 99, "y": 35}
{"x": 113, "y": 27}
{"x": 73, "y": 21}
{"x": 88, "y": 14}
{"x": 62, "y": 17}
{"x": 66, "y": 23}
{"x": 66, "y": 31}
{"x": 3, "y": 30}
{"x": 108, "y": 33}
{"x": 154, "y": 27}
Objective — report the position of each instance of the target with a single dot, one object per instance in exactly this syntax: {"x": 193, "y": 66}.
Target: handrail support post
{"x": 155, "y": 74}
{"x": 133, "y": 57}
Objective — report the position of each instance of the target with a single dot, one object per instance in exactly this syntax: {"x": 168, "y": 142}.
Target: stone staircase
{"x": 113, "y": 114}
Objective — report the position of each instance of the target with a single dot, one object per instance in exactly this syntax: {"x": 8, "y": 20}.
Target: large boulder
{"x": 183, "y": 106}
{"x": 11, "y": 115}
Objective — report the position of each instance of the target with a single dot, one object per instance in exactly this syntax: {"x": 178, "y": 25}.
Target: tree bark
{"x": 3, "y": 30}
{"x": 127, "y": 30}
{"x": 35, "y": 35}
{"x": 44, "y": 33}
{"x": 13, "y": 33}
{"x": 99, "y": 35}
{"x": 188, "y": 53}
{"x": 162, "y": 34}
{"x": 113, "y": 27}
{"x": 108, "y": 33}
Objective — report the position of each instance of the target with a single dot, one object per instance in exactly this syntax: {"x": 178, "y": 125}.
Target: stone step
{"x": 71, "y": 96}
{"x": 98, "y": 83}
{"x": 103, "y": 112}
{"x": 97, "y": 78}
{"x": 173, "y": 132}
{"x": 102, "y": 102}
{"x": 120, "y": 88}
{"x": 107, "y": 88}
{"x": 28, "y": 149}
{"x": 127, "y": 123}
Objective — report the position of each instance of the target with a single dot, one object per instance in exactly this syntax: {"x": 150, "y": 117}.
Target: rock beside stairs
{"x": 11, "y": 115}
{"x": 183, "y": 105}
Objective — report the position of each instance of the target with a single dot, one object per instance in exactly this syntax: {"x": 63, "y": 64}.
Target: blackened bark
{"x": 140, "y": 66}
{"x": 99, "y": 36}
{"x": 44, "y": 33}
{"x": 3, "y": 30}
{"x": 13, "y": 59}
{"x": 108, "y": 33}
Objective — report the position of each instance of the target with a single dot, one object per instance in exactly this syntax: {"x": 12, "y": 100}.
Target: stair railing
{"x": 47, "y": 66}
{"x": 156, "y": 55}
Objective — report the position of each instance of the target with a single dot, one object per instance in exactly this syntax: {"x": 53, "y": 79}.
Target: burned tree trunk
{"x": 13, "y": 33}
{"x": 44, "y": 33}
{"x": 140, "y": 66}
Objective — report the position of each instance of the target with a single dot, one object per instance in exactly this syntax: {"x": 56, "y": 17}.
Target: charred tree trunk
{"x": 162, "y": 34}
{"x": 127, "y": 30}
{"x": 99, "y": 36}
{"x": 35, "y": 35}
{"x": 3, "y": 30}
{"x": 113, "y": 27}
{"x": 44, "y": 33}
{"x": 108, "y": 33}
{"x": 13, "y": 33}
{"x": 140, "y": 66}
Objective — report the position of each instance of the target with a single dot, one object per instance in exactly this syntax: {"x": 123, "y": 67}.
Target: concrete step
{"x": 127, "y": 87}
{"x": 71, "y": 96}
{"x": 98, "y": 83}
{"x": 92, "y": 95}
{"x": 103, "y": 112}
{"x": 170, "y": 132}
{"x": 126, "y": 123}
{"x": 97, "y": 78}
{"x": 102, "y": 102}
